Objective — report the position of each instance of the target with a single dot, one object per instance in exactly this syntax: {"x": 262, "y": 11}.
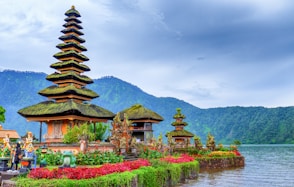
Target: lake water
{"x": 265, "y": 166}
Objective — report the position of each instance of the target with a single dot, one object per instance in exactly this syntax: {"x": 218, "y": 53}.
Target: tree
{"x": 99, "y": 129}
{"x": 237, "y": 142}
{"x": 73, "y": 134}
{"x": 2, "y": 116}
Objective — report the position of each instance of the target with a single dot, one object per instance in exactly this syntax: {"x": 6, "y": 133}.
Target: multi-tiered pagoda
{"x": 180, "y": 136}
{"x": 68, "y": 99}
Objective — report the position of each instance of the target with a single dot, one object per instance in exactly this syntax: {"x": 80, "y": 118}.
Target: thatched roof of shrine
{"x": 137, "y": 112}
{"x": 72, "y": 12}
{"x": 70, "y": 63}
{"x": 69, "y": 30}
{"x": 72, "y": 18}
{"x": 179, "y": 114}
{"x": 180, "y": 133}
{"x": 69, "y": 75}
{"x": 71, "y": 53}
{"x": 72, "y": 36}
{"x": 71, "y": 44}
{"x": 70, "y": 89}
{"x": 179, "y": 123}
{"x": 51, "y": 108}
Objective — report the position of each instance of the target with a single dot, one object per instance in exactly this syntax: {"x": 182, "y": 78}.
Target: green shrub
{"x": 118, "y": 180}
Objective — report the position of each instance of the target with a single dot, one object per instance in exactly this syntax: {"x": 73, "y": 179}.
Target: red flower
{"x": 182, "y": 158}
{"x": 86, "y": 173}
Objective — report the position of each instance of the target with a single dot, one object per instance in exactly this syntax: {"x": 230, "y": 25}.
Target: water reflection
{"x": 265, "y": 165}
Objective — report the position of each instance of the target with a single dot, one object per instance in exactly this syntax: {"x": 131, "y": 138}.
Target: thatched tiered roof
{"x": 138, "y": 112}
{"x": 68, "y": 98}
{"x": 179, "y": 124}
{"x": 51, "y": 108}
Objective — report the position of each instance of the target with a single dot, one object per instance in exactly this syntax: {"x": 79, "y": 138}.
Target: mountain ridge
{"x": 247, "y": 124}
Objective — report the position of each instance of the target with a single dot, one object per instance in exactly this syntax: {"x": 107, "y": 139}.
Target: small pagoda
{"x": 180, "y": 136}
{"x": 68, "y": 99}
{"x": 142, "y": 120}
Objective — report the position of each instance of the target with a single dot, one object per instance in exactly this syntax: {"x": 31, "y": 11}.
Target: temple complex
{"x": 68, "y": 101}
{"x": 142, "y": 120}
{"x": 180, "y": 136}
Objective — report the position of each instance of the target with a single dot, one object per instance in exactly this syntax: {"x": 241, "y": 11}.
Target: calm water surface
{"x": 265, "y": 166}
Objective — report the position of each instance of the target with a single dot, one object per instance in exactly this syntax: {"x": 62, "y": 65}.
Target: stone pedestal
{"x": 134, "y": 151}
{"x": 122, "y": 151}
{"x": 4, "y": 163}
{"x": 26, "y": 164}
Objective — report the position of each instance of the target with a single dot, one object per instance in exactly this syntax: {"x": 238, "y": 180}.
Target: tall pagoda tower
{"x": 68, "y": 99}
{"x": 180, "y": 136}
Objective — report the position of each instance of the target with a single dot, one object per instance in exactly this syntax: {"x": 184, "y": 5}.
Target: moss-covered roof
{"x": 137, "y": 111}
{"x": 69, "y": 24}
{"x": 70, "y": 63}
{"x": 71, "y": 44}
{"x": 50, "y": 108}
{"x": 179, "y": 114}
{"x": 68, "y": 30}
{"x": 71, "y": 53}
{"x": 72, "y": 18}
{"x": 72, "y": 12}
{"x": 181, "y": 123}
{"x": 180, "y": 133}
{"x": 73, "y": 37}
{"x": 70, "y": 89}
{"x": 69, "y": 75}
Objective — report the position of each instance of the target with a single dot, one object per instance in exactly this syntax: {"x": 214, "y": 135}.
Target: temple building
{"x": 68, "y": 101}
{"x": 142, "y": 120}
{"x": 180, "y": 136}
{"x": 12, "y": 134}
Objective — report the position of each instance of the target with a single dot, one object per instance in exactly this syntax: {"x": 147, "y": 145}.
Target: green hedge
{"x": 151, "y": 176}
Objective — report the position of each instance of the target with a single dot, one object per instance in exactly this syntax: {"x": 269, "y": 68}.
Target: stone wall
{"x": 221, "y": 163}
{"x": 102, "y": 146}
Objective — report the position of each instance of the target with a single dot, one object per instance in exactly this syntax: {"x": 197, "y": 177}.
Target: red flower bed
{"x": 182, "y": 158}
{"x": 237, "y": 153}
{"x": 86, "y": 173}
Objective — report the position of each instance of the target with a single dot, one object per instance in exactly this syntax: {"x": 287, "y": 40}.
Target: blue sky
{"x": 210, "y": 53}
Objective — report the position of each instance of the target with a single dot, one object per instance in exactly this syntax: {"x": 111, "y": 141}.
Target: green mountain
{"x": 248, "y": 124}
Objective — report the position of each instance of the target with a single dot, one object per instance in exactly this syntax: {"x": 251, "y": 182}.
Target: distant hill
{"x": 248, "y": 124}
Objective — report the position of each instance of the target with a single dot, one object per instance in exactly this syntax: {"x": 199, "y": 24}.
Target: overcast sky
{"x": 210, "y": 53}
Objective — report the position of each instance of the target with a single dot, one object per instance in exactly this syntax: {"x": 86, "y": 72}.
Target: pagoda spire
{"x": 68, "y": 98}
{"x": 180, "y": 136}
{"x": 70, "y": 68}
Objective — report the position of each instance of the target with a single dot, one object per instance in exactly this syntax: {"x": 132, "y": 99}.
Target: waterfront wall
{"x": 221, "y": 163}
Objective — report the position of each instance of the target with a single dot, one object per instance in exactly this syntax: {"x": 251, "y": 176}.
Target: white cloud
{"x": 210, "y": 53}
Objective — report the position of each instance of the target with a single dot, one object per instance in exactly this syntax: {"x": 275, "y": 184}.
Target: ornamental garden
{"x": 73, "y": 153}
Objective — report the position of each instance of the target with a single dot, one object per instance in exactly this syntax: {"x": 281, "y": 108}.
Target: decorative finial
{"x": 73, "y": 7}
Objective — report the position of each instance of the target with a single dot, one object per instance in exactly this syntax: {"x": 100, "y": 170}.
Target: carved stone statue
{"x": 6, "y": 146}
{"x": 134, "y": 143}
{"x": 197, "y": 142}
{"x": 210, "y": 143}
{"x": 83, "y": 143}
{"x": 28, "y": 146}
{"x": 160, "y": 143}
{"x": 120, "y": 133}
{"x": 123, "y": 143}
{"x": 6, "y": 142}
{"x": 69, "y": 160}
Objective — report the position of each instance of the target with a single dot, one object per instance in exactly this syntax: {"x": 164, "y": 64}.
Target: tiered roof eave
{"x": 68, "y": 64}
{"x": 70, "y": 89}
{"x": 52, "y": 109}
